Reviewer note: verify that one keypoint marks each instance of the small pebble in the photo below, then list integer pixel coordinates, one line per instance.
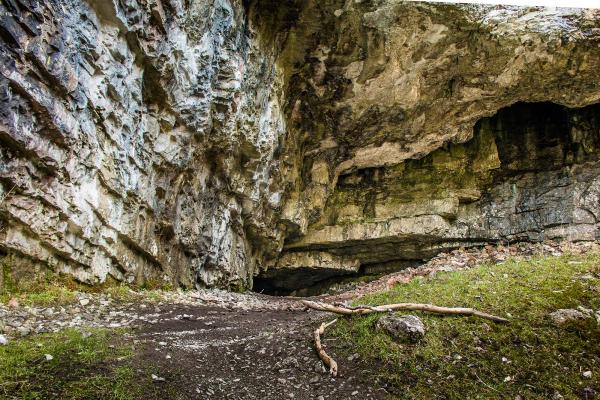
(587, 374)
(157, 378)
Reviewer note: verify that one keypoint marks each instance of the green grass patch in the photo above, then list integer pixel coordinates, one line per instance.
(44, 288)
(471, 358)
(81, 367)
(48, 288)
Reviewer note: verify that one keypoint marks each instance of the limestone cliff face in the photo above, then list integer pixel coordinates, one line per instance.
(425, 127)
(201, 141)
(138, 139)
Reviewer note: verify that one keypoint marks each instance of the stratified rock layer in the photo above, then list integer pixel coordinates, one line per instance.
(138, 139)
(531, 172)
(202, 142)
(441, 126)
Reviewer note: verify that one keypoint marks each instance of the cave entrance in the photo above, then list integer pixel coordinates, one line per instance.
(272, 285)
(530, 173)
(534, 137)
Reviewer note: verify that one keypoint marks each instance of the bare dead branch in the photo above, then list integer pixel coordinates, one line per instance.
(327, 360)
(402, 306)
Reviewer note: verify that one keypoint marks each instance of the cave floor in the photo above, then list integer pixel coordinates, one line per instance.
(230, 354)
(199, 345)
(185, 351)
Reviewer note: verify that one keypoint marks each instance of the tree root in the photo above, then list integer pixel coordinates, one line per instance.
(327, 360)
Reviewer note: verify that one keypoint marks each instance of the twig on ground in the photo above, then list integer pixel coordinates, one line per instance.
(485, 384)
(327, 360)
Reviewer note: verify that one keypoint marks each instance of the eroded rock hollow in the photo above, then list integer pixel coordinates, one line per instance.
(205, 142)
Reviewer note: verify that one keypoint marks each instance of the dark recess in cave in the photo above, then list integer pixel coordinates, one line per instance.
(533, 137)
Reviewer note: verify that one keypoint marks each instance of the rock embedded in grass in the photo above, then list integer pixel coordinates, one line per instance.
(565, 315)
(535, 288)
(406, 328)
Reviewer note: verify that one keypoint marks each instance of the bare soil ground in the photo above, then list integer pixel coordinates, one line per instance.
(216, 353)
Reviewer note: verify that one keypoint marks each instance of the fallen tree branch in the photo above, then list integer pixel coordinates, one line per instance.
(327, 360)
(401, 306)
(355, 308)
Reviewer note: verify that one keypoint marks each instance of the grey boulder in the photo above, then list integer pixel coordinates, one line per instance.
(562, 316)
(406, 328)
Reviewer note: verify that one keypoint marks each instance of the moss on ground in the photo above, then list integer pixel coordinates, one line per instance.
(57, 290)
(82, 367)
(55, 293)
(44, 288)
(462, 358)
(50, 289)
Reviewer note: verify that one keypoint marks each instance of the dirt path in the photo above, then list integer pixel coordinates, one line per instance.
(209, 344)
(205, 352)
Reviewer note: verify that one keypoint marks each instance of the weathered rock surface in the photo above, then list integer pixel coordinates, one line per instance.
(563, 316)
(138, 140)
(202, 142)
(522, 177)
(445, 126)
(407, 328)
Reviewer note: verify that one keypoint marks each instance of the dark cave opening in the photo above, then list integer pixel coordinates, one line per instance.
(543, 136)
(332, 284)
(270, 287)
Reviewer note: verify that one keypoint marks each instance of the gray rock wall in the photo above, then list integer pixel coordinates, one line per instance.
(137, 139)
